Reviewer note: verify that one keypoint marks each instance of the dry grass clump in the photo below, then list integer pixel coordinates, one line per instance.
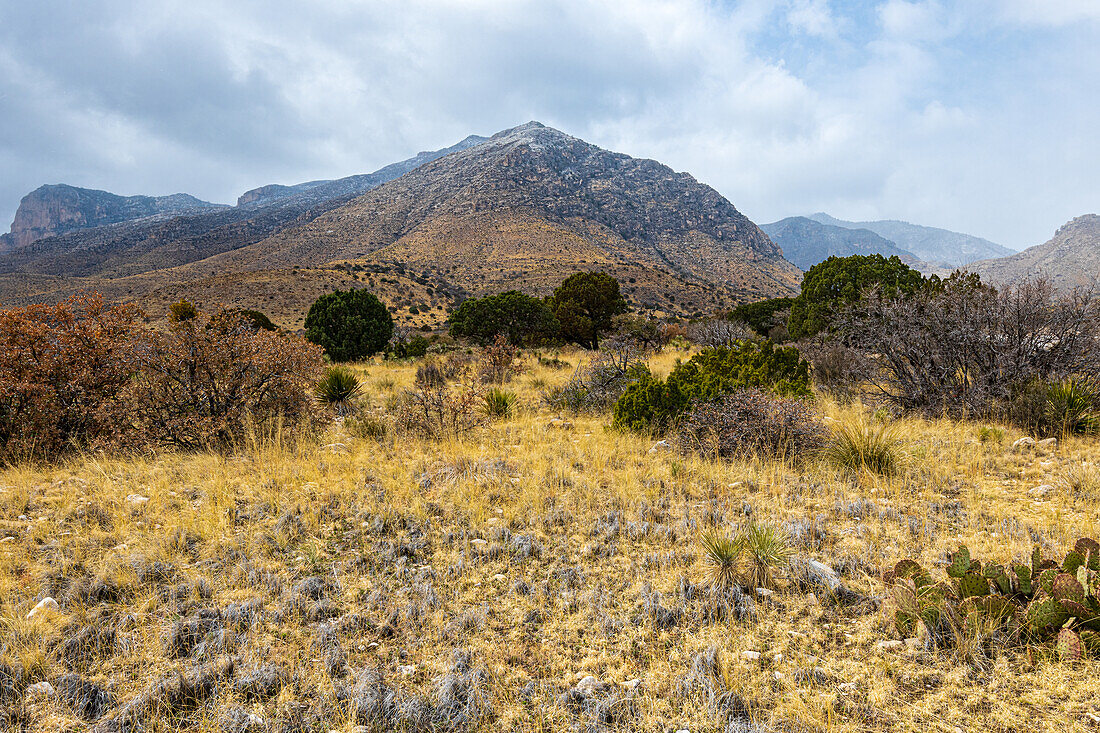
(859, 444)
(528, 573)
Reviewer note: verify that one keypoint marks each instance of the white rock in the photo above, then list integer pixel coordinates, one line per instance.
(846, 687)
(136, 500)
(1024, 442)
(46, 604)
(751, 656)
(777, 676)
(1048, 442)
(888, 644)
(407, 670)
(588, 685)
(43, 689)
(778, 658)
(9, 538)
(336, 448)
(1040, 491)
(499, 578)
(660, 445)
(764, 592)
(631, 684)
(824, 574)
(479, 541)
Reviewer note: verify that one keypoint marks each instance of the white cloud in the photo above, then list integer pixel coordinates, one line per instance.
(786, 106)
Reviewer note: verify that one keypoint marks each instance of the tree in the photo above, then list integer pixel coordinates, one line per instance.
(584, 305)
(763, 315)
(829, 286)
(258, 320)
(524, 320)
(350, 325)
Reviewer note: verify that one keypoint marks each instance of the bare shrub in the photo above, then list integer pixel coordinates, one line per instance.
(720, 332)
(598, 384)
(434, 412)
(498, 361)
(963, 348)
(752, 421)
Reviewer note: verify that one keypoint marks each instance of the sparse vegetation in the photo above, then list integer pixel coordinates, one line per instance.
(338, 388)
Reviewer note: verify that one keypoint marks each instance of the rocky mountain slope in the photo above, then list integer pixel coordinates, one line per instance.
(939, 247)
(806, 242)
(145, 245)
(523, 209)
(56, 209)
(1071, 258)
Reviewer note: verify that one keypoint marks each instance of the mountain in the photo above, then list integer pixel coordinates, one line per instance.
(523, 209)
(936, 246)
(145, 245)
(1071, 258)
(56, 209)
(532, 205)
(806, 242)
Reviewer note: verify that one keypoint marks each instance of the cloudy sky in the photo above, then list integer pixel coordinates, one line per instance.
(977, 115)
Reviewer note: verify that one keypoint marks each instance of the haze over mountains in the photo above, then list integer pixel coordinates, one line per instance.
(1071, 258)
(521, 209)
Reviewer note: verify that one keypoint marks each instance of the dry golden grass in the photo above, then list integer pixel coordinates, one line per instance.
(383, 519)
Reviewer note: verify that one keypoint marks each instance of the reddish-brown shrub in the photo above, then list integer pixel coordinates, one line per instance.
(63, 369)
(80, 373)
(498, 361)
(751, 421)
(203, 380)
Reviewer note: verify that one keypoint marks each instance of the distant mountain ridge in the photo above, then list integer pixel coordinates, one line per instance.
(56, 209)
(806, 242)
(1070, 259)
(522, 209)
(135, 246)
(935, 246)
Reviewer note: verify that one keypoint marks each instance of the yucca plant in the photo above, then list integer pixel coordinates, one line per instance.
(861, 445)
(722, 554)
(338, 388)
(768, 549)
(1073, 407)
(499, 402)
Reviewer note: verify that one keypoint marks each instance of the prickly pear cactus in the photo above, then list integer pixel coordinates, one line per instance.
(903, 595)
(1074, 560)
(1046, 580)
(1066, 587)
(1089, 548)
(1069, 644)
(999, 578)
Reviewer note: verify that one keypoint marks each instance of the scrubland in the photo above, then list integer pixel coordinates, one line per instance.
(536, 574)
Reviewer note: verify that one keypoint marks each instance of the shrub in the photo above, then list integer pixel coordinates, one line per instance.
(718, 332)
(647, 333)
(367, 427)
(602, 381)
(829, 286)
(498, 362)
(769, 549)
(584, 305)
(182, 310)
(405, 344)
(434, 412)
(752, 421)
(763, 316)
(655, 405)
(865, 445)
(349, 326)
(965, 349)
(499, 402)
(722, 554)
(203, 382)
(64, 370)
(338, 388)
(522, 319)
(430, 374)
(258, 320)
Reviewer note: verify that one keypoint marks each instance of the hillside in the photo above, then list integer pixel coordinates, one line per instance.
(939, 247)
(134, 247)
(51, 210)
(532, 205)
(806, 242)
(1071, 258)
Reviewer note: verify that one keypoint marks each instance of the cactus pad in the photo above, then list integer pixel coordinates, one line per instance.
(1043, 614)
(1069, 645)
(973, 584)
(1023, 580)
(1046, 580)
(1089, 548)
(960, 563)
(1066, 588)
(1074, 560)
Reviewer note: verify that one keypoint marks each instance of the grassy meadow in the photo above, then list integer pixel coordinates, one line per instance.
(487, 576)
